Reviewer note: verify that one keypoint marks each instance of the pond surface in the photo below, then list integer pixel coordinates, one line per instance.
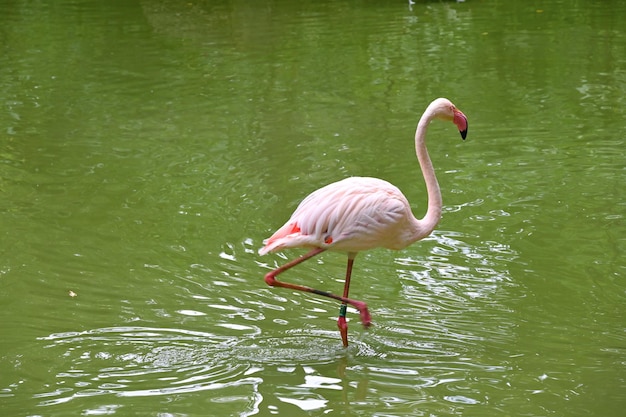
(148, 147)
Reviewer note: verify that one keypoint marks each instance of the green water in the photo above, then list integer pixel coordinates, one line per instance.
(147, 148)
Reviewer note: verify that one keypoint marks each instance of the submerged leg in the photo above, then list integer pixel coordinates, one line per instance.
(341, 321)
(270, 279)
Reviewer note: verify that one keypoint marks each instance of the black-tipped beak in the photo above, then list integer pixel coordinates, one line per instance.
(463, 133)
(461, 122)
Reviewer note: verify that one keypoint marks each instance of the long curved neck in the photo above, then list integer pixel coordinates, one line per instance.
(433, 214)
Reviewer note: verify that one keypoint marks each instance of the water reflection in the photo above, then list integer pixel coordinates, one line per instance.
(145, 362)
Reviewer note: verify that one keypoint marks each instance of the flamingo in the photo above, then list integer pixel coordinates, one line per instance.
(362, 213)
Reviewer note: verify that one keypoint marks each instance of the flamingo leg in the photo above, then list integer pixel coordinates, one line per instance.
(270, 279)
(341, 321)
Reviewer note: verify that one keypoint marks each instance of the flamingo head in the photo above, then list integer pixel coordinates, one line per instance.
(442, 108)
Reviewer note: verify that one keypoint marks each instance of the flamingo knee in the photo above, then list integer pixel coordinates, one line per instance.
(270, 279)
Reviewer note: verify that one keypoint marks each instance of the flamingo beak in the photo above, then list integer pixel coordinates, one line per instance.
(461, 122)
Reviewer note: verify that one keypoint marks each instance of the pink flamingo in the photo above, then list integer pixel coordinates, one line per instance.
(361, 213)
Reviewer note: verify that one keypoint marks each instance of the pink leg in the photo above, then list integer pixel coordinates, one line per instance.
(270, 279)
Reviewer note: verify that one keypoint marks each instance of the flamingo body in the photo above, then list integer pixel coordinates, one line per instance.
(351, 215)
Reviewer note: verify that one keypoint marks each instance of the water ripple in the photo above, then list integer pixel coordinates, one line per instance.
(144, 361)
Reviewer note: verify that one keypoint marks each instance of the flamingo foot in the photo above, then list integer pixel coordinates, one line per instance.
(366, 319)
